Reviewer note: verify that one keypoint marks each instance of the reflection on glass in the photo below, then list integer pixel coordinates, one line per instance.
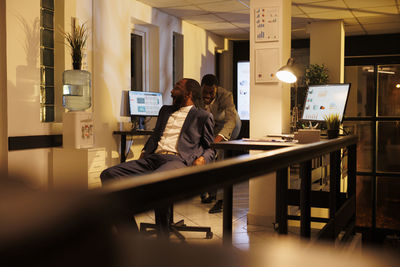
(389, 90)
(47, 113)
(47, 38)
(49, 4)
(47, 18)
(389, 146)
(364, 201)
(361, 97)
(365, 145)
(47, 57)
(388, 203)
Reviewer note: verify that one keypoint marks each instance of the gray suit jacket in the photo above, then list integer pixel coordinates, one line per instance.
(195, 138)
(224, 112)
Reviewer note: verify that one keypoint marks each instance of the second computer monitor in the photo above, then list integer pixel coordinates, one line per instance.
(323, 100)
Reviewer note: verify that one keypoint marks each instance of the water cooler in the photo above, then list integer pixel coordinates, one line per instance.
(78, 128)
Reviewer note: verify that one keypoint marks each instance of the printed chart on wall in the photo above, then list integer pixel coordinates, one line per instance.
(266, 23)
(243, 87)
(267, 63)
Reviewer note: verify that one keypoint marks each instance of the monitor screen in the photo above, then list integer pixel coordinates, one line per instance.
(323, 100)
(144, 103)
(243, 90)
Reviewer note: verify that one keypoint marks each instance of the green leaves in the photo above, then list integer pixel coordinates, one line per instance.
(332, 121)
(76, 40)
(316, 74)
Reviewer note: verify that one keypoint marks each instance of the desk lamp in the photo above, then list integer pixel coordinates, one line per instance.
(288, 74)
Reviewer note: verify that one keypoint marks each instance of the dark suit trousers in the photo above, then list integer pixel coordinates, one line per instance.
(149, 164)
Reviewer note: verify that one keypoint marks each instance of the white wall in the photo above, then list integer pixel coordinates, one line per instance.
(199, 51)
(108, 58)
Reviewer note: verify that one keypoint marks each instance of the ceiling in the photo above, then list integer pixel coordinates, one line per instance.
(231, 18)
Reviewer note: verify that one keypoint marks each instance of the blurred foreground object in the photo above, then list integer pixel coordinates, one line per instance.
(79, 229)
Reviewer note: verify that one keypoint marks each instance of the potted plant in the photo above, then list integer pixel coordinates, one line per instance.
(316, 74)
(332, 125)
(76, 41)
(77, 83)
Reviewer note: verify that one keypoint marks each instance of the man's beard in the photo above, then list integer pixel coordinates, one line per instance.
(178, 101)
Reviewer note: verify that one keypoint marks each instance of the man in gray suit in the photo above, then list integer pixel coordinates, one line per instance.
(182, 137)
(219, 102)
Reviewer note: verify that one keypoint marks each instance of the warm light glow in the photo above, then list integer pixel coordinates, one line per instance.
(398, 85)
(286, 76)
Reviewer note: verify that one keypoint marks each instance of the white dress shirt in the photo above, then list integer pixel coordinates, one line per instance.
(169, 139)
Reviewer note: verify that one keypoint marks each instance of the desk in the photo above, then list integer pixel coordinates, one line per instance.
(123, 135)
(250, 144)
(281, 181)
(341, 205)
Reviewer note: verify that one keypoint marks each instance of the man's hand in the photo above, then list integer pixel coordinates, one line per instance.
(218, 138)
(199, 161)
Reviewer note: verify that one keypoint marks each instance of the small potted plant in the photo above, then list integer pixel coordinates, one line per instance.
(332, 125)
(316, 74)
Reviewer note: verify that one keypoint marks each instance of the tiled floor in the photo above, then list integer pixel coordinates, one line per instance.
(195, 213)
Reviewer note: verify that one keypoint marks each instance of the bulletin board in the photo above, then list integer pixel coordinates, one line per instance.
(266, 21)
(267, 64)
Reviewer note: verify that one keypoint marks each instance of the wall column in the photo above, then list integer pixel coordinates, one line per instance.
(269, 99)
(327, 47)
(3, 91)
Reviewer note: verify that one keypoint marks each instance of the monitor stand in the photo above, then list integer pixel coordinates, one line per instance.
(138, 123)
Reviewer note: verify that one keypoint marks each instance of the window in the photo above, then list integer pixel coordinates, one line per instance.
(373, 114)
(137, 61)
(47, 61)
(177, 60)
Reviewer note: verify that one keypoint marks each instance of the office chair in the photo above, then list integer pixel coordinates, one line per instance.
(165, 225)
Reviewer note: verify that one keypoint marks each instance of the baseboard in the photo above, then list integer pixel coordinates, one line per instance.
(260, 220)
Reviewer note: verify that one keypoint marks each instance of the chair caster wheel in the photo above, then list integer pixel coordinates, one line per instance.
(209, 235)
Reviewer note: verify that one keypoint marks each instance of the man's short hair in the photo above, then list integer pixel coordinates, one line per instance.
(194, 87)
(209, 80)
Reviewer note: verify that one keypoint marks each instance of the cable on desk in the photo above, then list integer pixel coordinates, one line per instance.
(128, 147)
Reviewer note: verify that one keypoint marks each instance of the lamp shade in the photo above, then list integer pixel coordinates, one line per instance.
(286, 73)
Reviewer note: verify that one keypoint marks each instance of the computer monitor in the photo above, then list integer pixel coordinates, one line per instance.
(144, 104)
(243, 89)
(323, 100)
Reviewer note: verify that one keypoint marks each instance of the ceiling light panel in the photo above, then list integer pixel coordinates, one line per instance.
(368, 3)
(332, 15)
(233, 16)
(379, 19)
(203, 19)
(165, 3)
(243, 24)
(376, 11)
(219, 26)
(224, 6)
(319, 7)
(184, 11)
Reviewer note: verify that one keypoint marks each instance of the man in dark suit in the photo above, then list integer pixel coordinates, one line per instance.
(182, 137)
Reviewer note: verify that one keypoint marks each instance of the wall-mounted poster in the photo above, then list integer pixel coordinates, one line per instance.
(266, 24)
(267, 64)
